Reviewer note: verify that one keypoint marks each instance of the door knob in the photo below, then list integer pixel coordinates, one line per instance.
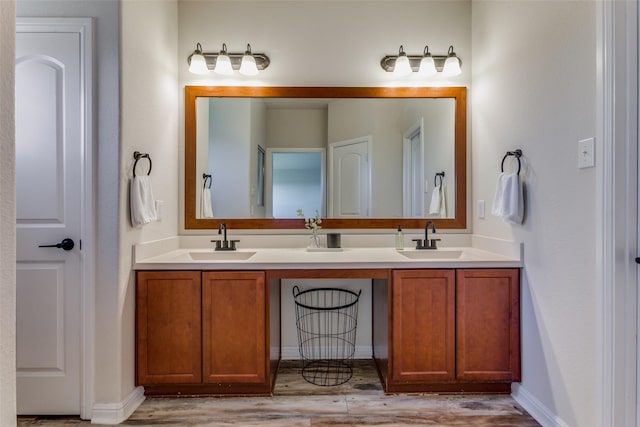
(637, 260)
(66, 244)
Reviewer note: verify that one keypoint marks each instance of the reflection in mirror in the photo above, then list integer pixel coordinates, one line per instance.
(365, 161)
(409, 140)
(295, 181)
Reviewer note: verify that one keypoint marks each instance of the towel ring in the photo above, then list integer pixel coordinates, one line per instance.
(206, 178)
(138, 155)
(517, 154)
(435, 178)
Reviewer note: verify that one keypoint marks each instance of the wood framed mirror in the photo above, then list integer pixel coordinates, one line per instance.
(456, 176)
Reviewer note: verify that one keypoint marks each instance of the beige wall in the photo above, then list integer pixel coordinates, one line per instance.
(534, 88)
(7, 216)
(149, 125)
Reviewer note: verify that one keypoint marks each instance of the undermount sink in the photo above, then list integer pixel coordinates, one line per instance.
(221, 256)
(432, 253)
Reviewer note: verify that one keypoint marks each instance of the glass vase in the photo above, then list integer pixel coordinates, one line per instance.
(314, 241)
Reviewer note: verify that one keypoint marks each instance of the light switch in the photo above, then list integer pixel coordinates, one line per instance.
(481, 209)
(159, 209)
(586, 156)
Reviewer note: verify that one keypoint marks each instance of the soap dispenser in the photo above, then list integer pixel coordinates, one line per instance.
(399, 239)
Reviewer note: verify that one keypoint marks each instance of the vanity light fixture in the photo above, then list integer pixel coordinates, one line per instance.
(225, 63)
(197, 63)
(425, 64)
(248, 65)
(451, 64)
(402, 66)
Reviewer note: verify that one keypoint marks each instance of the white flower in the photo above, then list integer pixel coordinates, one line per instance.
(312, 224)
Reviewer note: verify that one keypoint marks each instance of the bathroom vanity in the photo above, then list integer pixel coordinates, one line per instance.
(209, 323)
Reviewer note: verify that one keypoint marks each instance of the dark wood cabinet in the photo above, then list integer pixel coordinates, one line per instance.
(234, 328)
(168, 327)
(433, 330)
(453, 331)
(203, 333)
(488, 325)
(423, 326)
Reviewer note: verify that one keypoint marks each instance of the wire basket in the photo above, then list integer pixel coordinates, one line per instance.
(326, 319)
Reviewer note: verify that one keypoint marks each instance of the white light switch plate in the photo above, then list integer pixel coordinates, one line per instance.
(481, 208)
(586, 156)
(159, 210)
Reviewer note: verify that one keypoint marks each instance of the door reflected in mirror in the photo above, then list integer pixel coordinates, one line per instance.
(363, 157)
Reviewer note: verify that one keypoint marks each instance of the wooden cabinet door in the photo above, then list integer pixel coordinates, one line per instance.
(168, 327)
(234, 329)
(423, 343)
(488, 324)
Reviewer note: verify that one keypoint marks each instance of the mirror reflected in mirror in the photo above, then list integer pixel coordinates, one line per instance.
(362, 157)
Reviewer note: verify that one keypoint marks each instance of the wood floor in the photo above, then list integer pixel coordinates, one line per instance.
(359, 402)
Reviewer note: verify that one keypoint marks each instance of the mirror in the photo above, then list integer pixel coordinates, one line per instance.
(410, 134)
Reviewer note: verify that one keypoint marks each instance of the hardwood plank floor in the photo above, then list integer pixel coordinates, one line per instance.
(359, 402)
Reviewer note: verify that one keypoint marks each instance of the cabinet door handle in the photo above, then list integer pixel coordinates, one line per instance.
(66, 244)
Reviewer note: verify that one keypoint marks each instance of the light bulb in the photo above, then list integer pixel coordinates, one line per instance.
(451, 64)
(223, 62)
(403, 66)
(197, 62)
(427, 64)
(248, 65)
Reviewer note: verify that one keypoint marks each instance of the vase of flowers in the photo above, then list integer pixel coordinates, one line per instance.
(312, 224)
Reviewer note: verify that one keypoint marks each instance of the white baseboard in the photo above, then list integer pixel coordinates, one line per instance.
(293, 353)
(115, 413)
(535, 408)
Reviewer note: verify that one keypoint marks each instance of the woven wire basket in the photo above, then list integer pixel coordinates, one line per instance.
(326, 320)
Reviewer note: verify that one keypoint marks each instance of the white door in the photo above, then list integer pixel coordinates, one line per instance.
(49, 161)
(413, 182)
(350, 184)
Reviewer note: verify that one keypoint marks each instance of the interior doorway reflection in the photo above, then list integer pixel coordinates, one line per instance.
(295, 180)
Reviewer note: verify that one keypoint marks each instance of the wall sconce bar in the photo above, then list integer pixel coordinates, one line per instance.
(262, 61)
(388, 63)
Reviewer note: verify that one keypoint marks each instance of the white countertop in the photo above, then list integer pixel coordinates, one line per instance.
(301, 258)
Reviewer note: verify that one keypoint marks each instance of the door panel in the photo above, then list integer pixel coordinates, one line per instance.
(488, 324)
(422, 327)
(49, 146)
(350, 179)
(45, 350)
(234, 343)
(168, 327)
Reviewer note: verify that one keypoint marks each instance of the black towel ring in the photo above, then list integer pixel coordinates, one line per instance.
(206, 178)
(435, 178)
(517, 154)
(138, 155)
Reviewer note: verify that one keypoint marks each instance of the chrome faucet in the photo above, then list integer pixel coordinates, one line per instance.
(224, 245)
(427, 244)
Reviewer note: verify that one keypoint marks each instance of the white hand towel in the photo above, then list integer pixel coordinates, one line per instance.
(206, 208)
(438, 204)
(508, 202)
(443, 202)
(141, 201)
(436, 200)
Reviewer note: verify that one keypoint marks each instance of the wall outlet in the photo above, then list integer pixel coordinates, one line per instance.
(586, 155)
